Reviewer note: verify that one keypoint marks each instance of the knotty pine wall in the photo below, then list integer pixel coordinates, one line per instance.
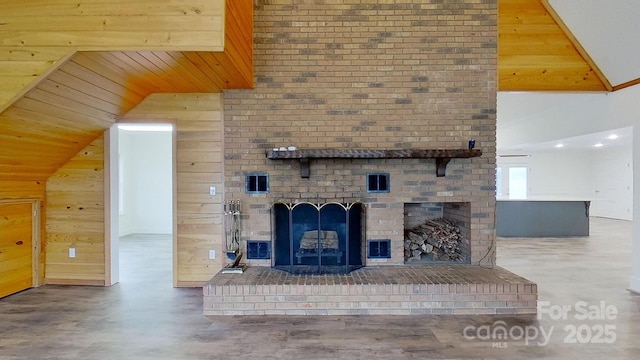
(75, 195)
(75, 218)
(35, 36)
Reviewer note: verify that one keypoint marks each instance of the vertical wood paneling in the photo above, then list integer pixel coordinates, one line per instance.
(75, 218)
(16, 252)
(199, 164)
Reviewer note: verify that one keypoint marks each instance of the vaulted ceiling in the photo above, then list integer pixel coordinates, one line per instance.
(80, 96)
(568, 45)
(536, 53)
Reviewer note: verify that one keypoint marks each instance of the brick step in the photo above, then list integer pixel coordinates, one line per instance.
(381, 290)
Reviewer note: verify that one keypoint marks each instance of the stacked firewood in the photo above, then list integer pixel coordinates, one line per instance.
(437, 240)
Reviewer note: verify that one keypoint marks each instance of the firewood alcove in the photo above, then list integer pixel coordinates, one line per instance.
(437, 233)
(442, 156)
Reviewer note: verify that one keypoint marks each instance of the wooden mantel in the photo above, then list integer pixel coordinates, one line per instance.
(442, 156)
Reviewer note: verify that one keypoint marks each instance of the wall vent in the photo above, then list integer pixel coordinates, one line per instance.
(257, 249)
(378, 182)
(379, 249)
(257, 183)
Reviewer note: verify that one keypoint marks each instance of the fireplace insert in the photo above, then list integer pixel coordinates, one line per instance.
(318, 238)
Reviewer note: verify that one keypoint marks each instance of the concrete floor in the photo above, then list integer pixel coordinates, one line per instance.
(143, 317)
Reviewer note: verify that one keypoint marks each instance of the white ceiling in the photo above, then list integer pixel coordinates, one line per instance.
(614, 138)
(609, 31)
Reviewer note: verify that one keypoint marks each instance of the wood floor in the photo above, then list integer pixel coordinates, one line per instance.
(143, 317)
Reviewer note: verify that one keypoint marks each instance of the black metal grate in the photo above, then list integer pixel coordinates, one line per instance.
(257, 249)
(257, 183)
(378, 183)
(379, 249)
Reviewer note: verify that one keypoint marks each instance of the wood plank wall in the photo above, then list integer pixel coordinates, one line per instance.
(36, 36)
(75, 218)
(75, 195)
(199, 164)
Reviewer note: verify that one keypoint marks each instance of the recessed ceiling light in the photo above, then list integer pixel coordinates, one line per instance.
(559, 145)
(146, 127)
(612, 137)
(598, 145)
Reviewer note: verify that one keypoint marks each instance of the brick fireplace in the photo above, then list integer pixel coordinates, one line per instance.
(337, 75)
(411, 74)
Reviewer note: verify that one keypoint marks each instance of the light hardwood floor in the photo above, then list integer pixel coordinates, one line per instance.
(143, 317)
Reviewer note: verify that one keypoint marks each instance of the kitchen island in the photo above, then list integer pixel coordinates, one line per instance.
(542, 217)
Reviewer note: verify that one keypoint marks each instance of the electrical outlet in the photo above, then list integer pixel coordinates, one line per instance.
(212, 254)
(72, 252)
(212, 190)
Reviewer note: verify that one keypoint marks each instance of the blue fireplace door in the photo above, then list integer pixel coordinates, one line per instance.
(291, 223)
(333, 219)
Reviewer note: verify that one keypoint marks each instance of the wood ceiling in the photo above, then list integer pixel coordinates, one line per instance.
(85, 93)
(75, 102)
(536, 51)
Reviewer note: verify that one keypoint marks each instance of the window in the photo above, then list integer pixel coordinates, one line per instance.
(378, 183)
(512, 182)
(379, 249)
(258, 249)
(499, 187)
(257, 183)
(517, 182)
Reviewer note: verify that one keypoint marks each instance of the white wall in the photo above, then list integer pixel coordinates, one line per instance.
(147, 189)
(556, 174)
(604, 176)
(126, 217)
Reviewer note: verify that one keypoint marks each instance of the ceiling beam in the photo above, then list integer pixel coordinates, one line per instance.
(554, 15)
(626, 84)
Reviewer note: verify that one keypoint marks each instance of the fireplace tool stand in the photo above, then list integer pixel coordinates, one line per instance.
(232, 237)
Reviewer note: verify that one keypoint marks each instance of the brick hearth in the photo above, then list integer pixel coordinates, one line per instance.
(388, 290)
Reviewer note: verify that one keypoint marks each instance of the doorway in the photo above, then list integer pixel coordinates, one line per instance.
(142, 203)
(512, 182)
(613, 196)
